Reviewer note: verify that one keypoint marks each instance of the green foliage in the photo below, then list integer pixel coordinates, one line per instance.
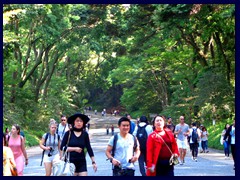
(169, 59)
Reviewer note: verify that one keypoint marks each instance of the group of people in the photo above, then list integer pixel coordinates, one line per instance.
(228, 140)
(69, 136)
(163, 141)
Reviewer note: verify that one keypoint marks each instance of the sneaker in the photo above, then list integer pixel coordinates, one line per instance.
(201, 151)
(207, 151)
(195, 159)
(181, 163)
(192, 158)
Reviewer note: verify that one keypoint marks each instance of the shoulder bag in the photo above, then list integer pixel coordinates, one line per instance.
(63, 167)
(173, 160)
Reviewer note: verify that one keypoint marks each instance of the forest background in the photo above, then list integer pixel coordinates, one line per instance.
(169, 59)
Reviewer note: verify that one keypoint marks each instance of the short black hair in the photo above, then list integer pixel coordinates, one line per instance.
(194, 124)
(63, 115)
(123, 119)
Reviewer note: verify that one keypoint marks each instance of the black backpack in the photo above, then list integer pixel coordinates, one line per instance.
(194, 135)
(142, 137)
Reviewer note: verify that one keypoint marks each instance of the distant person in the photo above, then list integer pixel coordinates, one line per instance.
(62, 127)
(230, 137)
(107, 129)
(123, 150)
(195, 135)
(17, 144)
(95, 112)
(161, 145)
(182, 131)
(170, 124)
(132, 124)
(112, 129)
(7, 133)
(142, 130)
(204, 137)
(225, 144)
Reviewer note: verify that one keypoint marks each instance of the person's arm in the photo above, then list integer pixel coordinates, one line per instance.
(24, 150)
(114, 161)
(150, 154)
(90, 151)
(136, 152)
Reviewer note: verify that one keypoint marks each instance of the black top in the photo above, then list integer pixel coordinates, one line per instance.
(82, 141)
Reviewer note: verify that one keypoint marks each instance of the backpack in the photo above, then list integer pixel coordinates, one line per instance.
(194, 135)
(115, 138)
(132, 127)
(142, 137)
(45, 145)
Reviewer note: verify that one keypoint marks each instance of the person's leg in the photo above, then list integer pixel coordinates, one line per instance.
(233, 153)
(203, 146)
(82, 173)
(191, 148)
(141, 164)
(195, 150)
(228, 149)
(180, 144)
(48, 168)
(206, 146)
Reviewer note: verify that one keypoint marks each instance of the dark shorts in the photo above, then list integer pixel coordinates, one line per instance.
(81, 166)
(164, 169)
(122, 172)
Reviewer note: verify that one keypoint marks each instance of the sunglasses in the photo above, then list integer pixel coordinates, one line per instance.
(63, 119)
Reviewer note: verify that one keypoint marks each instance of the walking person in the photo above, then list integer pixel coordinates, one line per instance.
(107, 129)
(112, 129)
(195, 135)
(78, 140)
(50, 143)
(132, 124)
(225, 144)
(170, 124)
(9, 165)
(182, 131)
(17, 144)
(230, 137)
(142, 131)
(161, 145)
(200, 140)
(62, 127)
(123, 150)
(204, 138)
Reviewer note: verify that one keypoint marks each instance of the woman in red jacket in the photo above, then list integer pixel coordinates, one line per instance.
(161, 144)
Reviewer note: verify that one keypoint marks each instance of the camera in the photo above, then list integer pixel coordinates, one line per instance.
(50, 152)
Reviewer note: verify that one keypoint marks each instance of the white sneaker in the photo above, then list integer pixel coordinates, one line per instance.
(195, 159)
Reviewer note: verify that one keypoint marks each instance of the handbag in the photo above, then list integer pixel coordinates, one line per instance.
(64, 167)
(173, 160)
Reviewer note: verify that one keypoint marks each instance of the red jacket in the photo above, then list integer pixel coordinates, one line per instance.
(154, 145)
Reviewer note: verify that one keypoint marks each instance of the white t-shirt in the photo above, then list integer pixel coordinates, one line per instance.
(62, 129)
(124, 150)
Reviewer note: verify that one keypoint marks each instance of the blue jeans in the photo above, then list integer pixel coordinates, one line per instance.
(141, 162)
(226, 148)
(205, 145)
